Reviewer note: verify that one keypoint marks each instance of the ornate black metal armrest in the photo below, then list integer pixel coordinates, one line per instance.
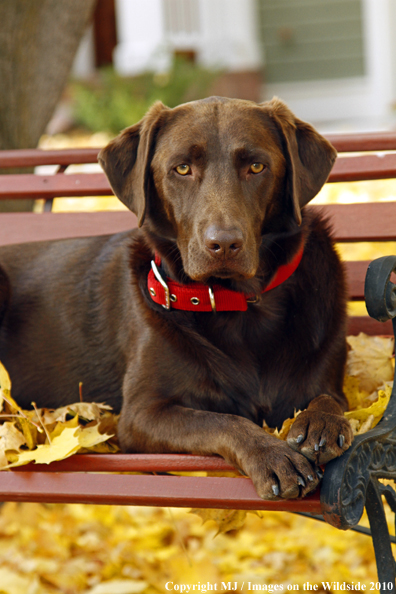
(351, 482)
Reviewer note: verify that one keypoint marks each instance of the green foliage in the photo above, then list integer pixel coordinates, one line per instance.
(111, 102)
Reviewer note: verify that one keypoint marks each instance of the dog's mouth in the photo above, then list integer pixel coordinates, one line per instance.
(231, 274)
(223, 272)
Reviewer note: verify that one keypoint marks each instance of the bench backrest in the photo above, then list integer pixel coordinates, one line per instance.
(361, 157)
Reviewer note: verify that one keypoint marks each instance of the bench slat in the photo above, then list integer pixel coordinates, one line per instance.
(133, 463)
(124, 489)
(28, 185)
(356, 275)
(370, 221)
(371, 141)
(22, 227)
(35, 157)
(351, 222)
(365, 141)
(362, 167)
(357, 324)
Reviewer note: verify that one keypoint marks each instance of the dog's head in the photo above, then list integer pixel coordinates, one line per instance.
(213, 176)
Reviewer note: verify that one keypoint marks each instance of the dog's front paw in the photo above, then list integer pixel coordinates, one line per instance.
(320, 436)
(279, 473)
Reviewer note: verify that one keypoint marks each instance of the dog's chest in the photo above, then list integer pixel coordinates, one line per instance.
(236, 366)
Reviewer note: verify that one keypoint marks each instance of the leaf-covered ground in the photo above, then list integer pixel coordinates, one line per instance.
(114, 550)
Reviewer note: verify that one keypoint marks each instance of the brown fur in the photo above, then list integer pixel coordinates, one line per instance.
(79, 310)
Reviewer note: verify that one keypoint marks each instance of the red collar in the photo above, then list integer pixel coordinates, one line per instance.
(199, 297)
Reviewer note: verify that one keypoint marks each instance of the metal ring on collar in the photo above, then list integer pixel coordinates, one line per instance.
(163, 284)
(212, 299)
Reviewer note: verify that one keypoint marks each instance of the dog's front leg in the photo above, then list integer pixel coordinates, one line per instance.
(275, 469)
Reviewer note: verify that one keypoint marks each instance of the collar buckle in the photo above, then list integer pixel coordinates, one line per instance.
(163, 284)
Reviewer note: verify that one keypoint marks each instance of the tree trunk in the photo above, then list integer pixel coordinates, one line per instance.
(38, 42)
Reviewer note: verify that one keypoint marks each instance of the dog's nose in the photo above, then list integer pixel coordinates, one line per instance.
(223, 242)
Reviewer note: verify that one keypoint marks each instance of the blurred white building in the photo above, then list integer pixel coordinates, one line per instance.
(216, 33)
(332, 61)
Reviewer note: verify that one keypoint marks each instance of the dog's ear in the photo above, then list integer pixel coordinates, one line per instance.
(309, 155)
(126, 160)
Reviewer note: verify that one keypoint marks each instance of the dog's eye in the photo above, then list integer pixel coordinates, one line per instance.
(256, 167)
(183, 169)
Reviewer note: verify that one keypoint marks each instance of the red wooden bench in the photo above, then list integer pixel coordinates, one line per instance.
(349, 483)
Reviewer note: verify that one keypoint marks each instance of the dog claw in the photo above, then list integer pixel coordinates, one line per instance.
(300, 481)
(322, 442)
(316, 448)
(275, 490)
(310, 478)
(341, 440)
(300, 438)
(320, 474)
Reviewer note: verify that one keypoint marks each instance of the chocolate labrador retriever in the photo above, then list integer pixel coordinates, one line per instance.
(226, 308)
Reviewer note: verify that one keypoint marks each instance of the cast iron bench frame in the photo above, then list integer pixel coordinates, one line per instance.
(350, 483)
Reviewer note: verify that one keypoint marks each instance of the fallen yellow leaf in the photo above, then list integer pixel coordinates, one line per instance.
(10, 440)
(371, 360)
(366, 425)
(376, 410)
(226, 519)
(5, 389)
(355, 396)
(11, 437)
(62, 446)
(5, 382)
(89, 437)
(12, 582)
(60, 426)
(29, 431)
(89, 411)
